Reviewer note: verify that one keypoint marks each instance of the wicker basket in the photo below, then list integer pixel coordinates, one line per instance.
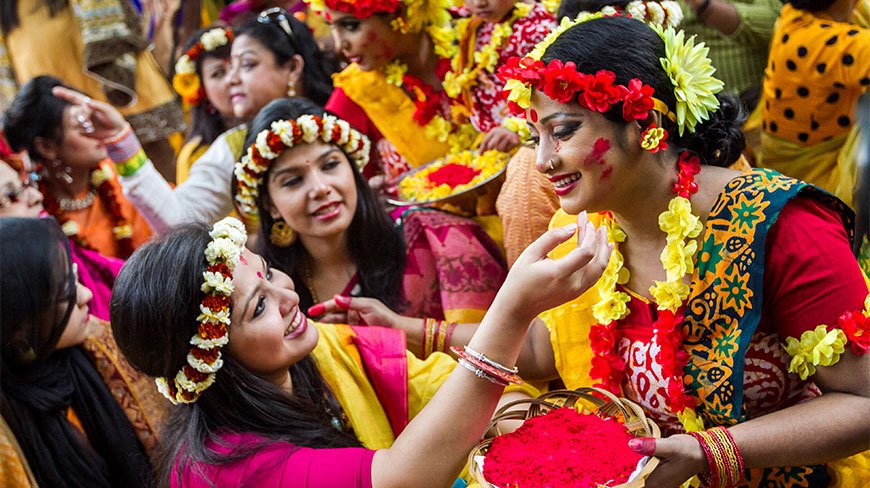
(585, 400)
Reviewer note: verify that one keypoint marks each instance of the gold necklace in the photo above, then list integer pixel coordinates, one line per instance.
(309, 282)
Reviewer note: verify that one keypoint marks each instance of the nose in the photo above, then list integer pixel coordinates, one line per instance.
(319, 187)
(546, 153)
(83, 294)
(233, 74)
(34, 197)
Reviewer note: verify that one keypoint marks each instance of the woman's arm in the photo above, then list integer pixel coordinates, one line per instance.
(205, 196)
(434, 445)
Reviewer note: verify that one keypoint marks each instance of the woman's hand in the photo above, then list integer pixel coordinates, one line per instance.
(500, 139)
(537, 283)
(362, 311)
(100, 120)
(680, 458)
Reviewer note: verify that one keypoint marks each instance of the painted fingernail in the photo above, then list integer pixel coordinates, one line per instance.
(643, 445)
(317, 310)
(342, 302)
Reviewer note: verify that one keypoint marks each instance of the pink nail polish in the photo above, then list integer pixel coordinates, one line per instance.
(317, 310)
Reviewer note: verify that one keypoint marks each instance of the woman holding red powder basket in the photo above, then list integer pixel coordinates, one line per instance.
(738, 317)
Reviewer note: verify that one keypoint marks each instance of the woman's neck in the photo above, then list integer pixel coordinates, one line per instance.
(420, 58)
(60, 188)
(841, 10)
(329, 255)
(649, 195)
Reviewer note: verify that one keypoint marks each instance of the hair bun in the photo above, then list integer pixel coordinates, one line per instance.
(719, 140)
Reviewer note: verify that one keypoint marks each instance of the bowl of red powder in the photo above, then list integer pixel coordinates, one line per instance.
(568, 439)
(450, 177)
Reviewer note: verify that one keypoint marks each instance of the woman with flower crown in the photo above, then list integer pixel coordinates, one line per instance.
(202, 80)
(267, 398)
(79, 187)
(321, 224)
(399, 51)
(738, 318)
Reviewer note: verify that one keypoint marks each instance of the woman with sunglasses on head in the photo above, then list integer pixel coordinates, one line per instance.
(77, 414)
(272, 56)
(266, 397)
(79, 187)
(202, 80)
(732, 309)
(321, 224)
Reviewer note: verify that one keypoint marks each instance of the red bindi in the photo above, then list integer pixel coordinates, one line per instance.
(259, 274)
(533, 115)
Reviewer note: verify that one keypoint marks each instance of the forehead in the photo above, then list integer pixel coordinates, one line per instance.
(7, 174)
(303, 154)
(245, 273)
(247, 44)
(544, 106)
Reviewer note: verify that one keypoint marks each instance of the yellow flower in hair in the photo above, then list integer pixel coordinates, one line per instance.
(520, 93)
(691, 72)
(186, 85)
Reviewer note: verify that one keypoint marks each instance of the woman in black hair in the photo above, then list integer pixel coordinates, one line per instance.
(732, 308)
(80, 414)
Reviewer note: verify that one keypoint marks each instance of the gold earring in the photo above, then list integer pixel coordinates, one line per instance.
(281, 234)
(291, 89)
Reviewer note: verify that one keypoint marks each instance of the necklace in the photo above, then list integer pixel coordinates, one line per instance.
(309, 282)
(75, 204)
(681, 227)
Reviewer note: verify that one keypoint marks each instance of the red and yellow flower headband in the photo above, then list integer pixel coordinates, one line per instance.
(284, 134)
(686, 64)
(204, 358)
(186, 82)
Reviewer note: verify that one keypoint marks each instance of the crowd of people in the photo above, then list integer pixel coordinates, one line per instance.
(683, 222)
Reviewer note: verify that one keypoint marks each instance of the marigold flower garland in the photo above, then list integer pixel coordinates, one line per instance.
(284, 134)
(99, 182)
(185, 81)
(681, 227)
(460, 77)
(204, 358)
(667, 13)
(451, 175)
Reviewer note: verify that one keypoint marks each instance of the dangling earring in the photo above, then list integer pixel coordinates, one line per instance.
(291, 89)
(209, 108)
(281, 234)
(62, 172)
(654, 139)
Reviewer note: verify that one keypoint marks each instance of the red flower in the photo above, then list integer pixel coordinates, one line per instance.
(638, 101)
(208, 330)
(526, 70)
(689, 165)
(603, 338)
(208, 356)
(216, 303)
(220, 268)
(857, 328)
(362, 9)
(274, 142)
(600, 94)
(561, 82)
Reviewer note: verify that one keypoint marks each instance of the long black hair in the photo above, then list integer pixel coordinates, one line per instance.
(35, 112)
(205, 122)
(9, 12)
(319, 66)
(37, 292)
(155, 303)
(375, 244)
(599, 44)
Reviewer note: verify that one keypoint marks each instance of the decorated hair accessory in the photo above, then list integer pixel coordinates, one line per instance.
(686, 64)
(666, 13)
(204, 359)
(285, 134)
(654, 139)
(186, 82)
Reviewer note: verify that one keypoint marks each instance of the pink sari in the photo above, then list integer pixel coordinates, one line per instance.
(453, 269)
(97, 273)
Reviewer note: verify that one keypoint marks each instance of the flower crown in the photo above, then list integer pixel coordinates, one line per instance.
(285, 134)
(204, 359)
(431, 15)
(687, 65)
(667, 12)
(186, 82)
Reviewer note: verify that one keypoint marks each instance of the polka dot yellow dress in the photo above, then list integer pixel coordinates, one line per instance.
(817, 70)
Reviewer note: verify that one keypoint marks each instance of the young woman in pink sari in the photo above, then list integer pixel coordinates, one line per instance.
(321, 224)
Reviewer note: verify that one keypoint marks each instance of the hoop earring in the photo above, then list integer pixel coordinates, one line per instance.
(281, 234)
(654, 139)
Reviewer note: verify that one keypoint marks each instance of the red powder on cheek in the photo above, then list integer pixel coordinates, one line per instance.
(327, 16)
(533, 115)
(606, 173)
(243, 260)
(557, 146)
(599, 149)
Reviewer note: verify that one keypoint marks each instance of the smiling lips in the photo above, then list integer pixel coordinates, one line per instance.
(328, 211)
(297, 326)
(564, 183)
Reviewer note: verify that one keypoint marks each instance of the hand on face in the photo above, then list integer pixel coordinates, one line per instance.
(537, 283)
(99, 120)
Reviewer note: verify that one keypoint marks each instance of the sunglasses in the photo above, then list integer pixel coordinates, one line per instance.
(279, 17)
(13, 196)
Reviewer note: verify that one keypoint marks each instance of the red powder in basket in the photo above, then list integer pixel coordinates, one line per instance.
(453, 175)
(561, 449)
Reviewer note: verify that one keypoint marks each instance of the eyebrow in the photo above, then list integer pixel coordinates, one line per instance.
(254, 291)
(558, 115)
(295, 169)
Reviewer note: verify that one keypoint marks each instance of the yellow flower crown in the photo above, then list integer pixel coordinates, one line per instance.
(284, 134)
(687, 65)
(185, 81)
(204, 358)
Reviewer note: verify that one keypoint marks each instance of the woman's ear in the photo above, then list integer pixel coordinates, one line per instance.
(272, 209)
(45, 148)
(296, 67)
(635, 129)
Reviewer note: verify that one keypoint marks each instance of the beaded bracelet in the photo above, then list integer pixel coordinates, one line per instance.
(480, 373)
(723, 457)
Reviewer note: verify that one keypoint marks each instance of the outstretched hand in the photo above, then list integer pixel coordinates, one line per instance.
(100, 120)
(356, 311)
(537, 283)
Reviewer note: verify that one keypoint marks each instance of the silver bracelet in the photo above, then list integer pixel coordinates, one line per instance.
(481, 373)
(483, 359)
